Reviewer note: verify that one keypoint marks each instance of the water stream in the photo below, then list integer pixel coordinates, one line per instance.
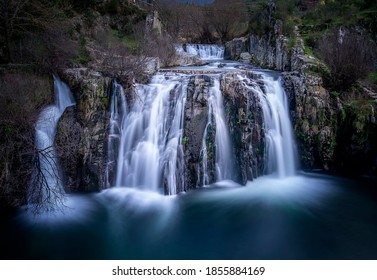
(150, 134)
(46, 187)
(205, 52)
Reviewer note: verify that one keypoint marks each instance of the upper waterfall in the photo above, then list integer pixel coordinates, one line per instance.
(206, 52)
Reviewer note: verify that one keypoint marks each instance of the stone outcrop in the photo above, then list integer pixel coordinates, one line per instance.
(153, 23)
(314, 116)
(234, 48)
(186, 59)
(196, 114)
(245, 120)
(331, 134)
(313, 111)
(85, 159)
(271, 50)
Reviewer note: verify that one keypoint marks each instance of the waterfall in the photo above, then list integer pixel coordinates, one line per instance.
(280, 154)
(145, 146)
(224, 156)
(118, 110)
(150, 147)
(46, 188)
(206, 52)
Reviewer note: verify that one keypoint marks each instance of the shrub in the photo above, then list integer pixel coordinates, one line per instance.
(348, 54)
(21, 98)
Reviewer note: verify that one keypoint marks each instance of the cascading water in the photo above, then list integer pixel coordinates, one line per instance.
(280, 156)
(118, 109)
(206, 52)
(46, 188)
(224, 158)
(151, 135)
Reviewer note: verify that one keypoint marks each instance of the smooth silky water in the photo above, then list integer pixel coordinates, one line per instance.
(284, 215)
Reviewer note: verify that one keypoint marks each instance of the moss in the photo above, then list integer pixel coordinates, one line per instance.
(303, 136)
(128, 40)
(342, 114)
(292, 42)
(82, 56)
(373, 77)
(334, 93)
(308, 51)
(184, 141)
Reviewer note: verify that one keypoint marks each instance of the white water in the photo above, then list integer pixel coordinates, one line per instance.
(151, 136)
(118, 109)
(280, 157)
(206, 52)
(46, 187)
(224, 157)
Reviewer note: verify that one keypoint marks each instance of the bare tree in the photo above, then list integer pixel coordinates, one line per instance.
(226, 16)
(349, 55)
(18, 17)
(21, 98)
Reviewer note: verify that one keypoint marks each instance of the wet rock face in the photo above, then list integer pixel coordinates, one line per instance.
(89, 125)
(245, 119)
(234, 48)
(314, 116)
(196, 114)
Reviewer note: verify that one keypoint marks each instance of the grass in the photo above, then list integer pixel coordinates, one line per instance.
(373, 77)
(127, 39)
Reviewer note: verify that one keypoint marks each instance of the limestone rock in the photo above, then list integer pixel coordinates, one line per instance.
(196, 114)
(90, 121)
(245, 120)
(245, 57)
(234, 48)
(186, 59)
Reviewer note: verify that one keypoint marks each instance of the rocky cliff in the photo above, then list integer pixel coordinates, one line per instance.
(196, 116)
(330, 134)
(245, 120)
(83, 130)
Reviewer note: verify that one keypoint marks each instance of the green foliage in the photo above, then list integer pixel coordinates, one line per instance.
(303, 136)
(330, 14)
(373, 77)
(82, 56)
(128, 40)
(259, 17)
(334, 93)
(308, 51)
(184, 141)
(292, 42)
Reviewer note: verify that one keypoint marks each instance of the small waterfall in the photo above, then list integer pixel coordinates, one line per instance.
(46, 188)
(224, 157)
(280, 156)
(118, 109)
(151, 136)
(206, 52)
